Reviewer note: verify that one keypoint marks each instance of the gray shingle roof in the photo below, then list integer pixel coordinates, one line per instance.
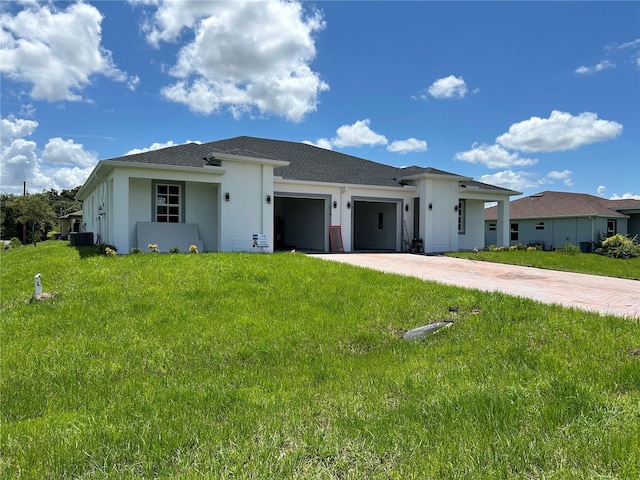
(549, 204)
(307, 162)
(187, 155)
(311, 163)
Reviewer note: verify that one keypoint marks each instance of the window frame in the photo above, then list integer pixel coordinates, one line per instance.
(180, 195)
(462, 216)
(513, 232)
(539, 226)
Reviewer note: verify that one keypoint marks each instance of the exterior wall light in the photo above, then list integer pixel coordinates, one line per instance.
(455, 209)
(335, 204)
(431, 206)
(406, 207)
(348, 204)
(227, 197)
(269, 199)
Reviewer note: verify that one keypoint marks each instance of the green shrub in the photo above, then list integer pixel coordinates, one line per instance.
(174, 250)
(620, 246)
(52, 234)
(135, 250)
(102, 248)
(15, 242)
(569, 249)
(600, 237)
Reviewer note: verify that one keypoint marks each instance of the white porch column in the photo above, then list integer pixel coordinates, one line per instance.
(267, 208)
(503, 224)
(118, 225)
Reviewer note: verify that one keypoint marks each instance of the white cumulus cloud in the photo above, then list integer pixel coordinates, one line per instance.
(66, 152)
(408, 145)
(522, 180)
(157, 146)
(62, 165)
(625, 196)
(19, 128)
(561, 131)
(244, 56)
(599, 67)
(56, 52)
(358, 134)
(518, 181)
(448, 87)
(564, 175)
(321, 142)
(494, 156)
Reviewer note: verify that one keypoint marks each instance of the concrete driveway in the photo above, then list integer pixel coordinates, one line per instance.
(604, 295)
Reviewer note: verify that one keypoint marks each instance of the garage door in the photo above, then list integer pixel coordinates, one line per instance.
(375, 225)
(301, 223)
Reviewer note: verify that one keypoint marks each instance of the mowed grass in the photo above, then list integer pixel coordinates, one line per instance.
(287, 366)
(590, 263)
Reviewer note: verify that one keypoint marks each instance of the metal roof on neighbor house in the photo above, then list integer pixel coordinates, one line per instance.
(72, 214)
(550, 204)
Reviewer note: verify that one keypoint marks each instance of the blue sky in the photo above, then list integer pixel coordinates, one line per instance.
(529, 96)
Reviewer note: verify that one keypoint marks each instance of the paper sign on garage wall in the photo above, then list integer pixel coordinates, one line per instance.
(260, 240)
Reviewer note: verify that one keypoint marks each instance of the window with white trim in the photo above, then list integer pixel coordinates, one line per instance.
(461, 215)
(611, 228)
(168, 203)
(514, 232)
(540, 226)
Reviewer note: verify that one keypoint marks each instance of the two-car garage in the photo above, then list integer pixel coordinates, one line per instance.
(302, 223)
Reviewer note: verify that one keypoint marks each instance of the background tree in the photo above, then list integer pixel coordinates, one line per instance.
(36, 213)
(14, 211)
(10, 226)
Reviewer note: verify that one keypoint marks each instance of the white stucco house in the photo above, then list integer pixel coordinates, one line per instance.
(254, 194)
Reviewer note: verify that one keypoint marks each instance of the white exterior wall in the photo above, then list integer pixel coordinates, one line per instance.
(202, 205)
(439, 226)
(473, 236)
(247, 212)
(95, 216)
(140, 207)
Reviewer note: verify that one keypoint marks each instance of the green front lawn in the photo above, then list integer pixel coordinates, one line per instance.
(590, 263)
(287, 366)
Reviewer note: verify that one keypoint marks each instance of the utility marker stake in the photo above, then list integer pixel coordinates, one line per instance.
(38, 285)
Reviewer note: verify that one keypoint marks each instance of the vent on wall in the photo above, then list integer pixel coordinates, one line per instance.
(212, 160)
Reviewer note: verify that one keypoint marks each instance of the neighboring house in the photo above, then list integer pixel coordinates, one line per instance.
(70, 223)
(555, 218)
(254, 194)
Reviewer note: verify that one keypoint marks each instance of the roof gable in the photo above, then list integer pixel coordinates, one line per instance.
(311, 163)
